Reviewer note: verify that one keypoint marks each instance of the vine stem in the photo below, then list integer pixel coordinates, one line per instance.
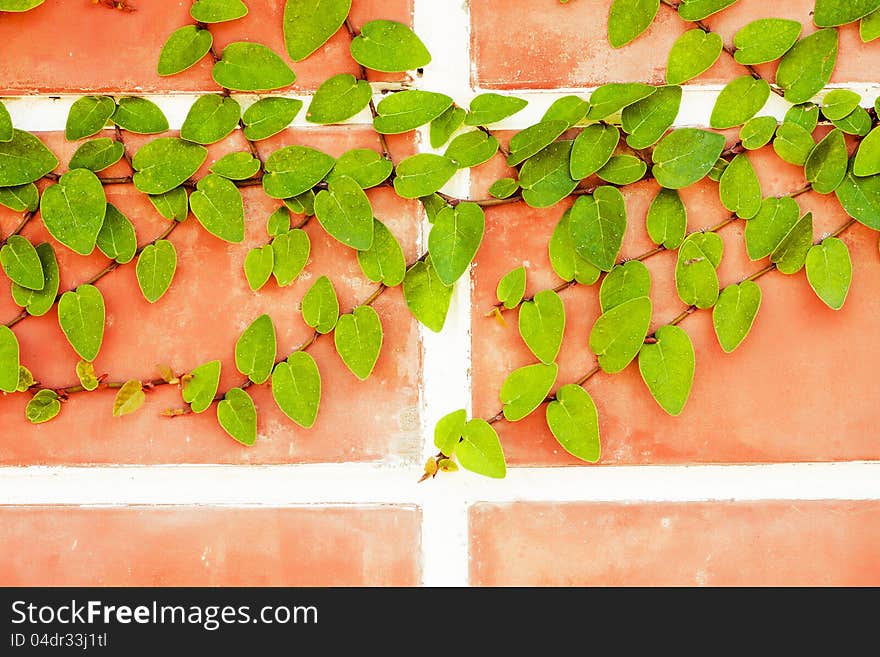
(678, 319)
(25, 219)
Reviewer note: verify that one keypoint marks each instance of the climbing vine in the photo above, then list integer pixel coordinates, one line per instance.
(585, 148)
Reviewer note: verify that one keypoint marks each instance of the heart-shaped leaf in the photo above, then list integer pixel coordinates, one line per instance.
(454, 240)
(829, 271)
(622, 170)
(628, 19)
(697, 10)
(358, 340)
(597, 225)
(258, 264)
(735, 312)
(183, 49)
(9, 360)
(618, 335)
(73, 210)
(427, 297)
(860, 198)
(165, 163)
(292, 170)
(765, 40)
(255, 350)
(22, 264)
(472, 149)
(24, 159)
(443, 126)
(626, 281)
(592, 148)
(85, 372)
(296, 388)
(648, 120)
(129, 398)
(291, 253)
(344, 211)
(825, 167)
(269, 116)
(791, 254)
(831, 13)
(308, 24)
(574, 422)
(81, 317)
(564, 259)
(867, 159)
(776, 217)
(320, 306)
(526, 388)
(173, 205)
(667, 368)
(200, 386)
(685, 155)
(211, 118)
(20, 198)
(218, 206)
(367, 167)
(511, 288)
(423, 174)
(806, 115)
(97, 154)
(542, 324)
(140, 116)
(569, 109)
(88, 116)
(384, 261)
(757, 132)
(806, 68)
(613, 97)
(389, 47)
(217, 11)
(793, 143)
(237, 415)
(739, 101)
(42, 407)
(407, 110)
(526, 143)
(155, 269)
(117, 239)
(480, 450)
(545, 178)
(338, 99)
(448, 431)
(246, 66)
(39, 302)
(489, 108)
(666, 220)
(740, 189)
(692, 54)
(236, 166)
(696, 278)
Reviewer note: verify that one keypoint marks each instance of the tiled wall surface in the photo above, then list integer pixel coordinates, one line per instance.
(338, 504)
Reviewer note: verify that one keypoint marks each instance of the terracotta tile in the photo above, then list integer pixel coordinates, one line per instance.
(793, 373)
(766, 543)
(199, 319)
(75, 46)
(528, 44)
(212, 546)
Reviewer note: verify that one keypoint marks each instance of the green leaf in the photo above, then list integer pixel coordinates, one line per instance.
(38, 303)
(218, 206)
(291, 251)
(489, 108)
(367, 167)
(793, 144)
(389, 47)
(542, 324)
(358, 339)
(85, 372)
(757, 132)
(667, 368)
(764, 233)
(869, 27)
(617, 335)
(24, 159)
(831, 13)
(25, 379)
(432, 204)
(155, 269)
(117, 239)
(857, 123)
(472, 149)
(308, 24)
(81, 317)
(648, 120)
(278, 222)
(695, 277)
(246, 66)
(200, 386)
(791, 254)
(692, 54)
(444, 125)
(9, 360)
(183, 49)
(129, 398)
(42, 407)
(545, 178)
(258, 265)
(255, 350)
(454, 239)
(697, 10)
(567, 264)
(526, 143)
(140, 116)
(829, 271)
(592, 149)
(501, 188)
(613, 97)
(526, 388)
(570, 109)
(269, 116)
(739, 101)
(867, 159)
(19, 5)
(511, 288)
(21, 263)
(173, 205)
(320, 307)
(826, 165)
(735, 313)
(423, 174)
(574, 422)
(296, 388)
(338, 99)
(629, 280)
(598, 223)
(480, 450)
(292, 170)
(667, 219)
(165, 163)
(765, 40)
(839, 103)
(427, 297)
(628, 19)
(384, 261)
(448, 431)
(211, 118)
(806, 68)
(88, 116)
(345, 213)
(97, 154)
(718, 169)
(806, 115)
(73, 210)
(236, 166)
(237, 415)
(860, 198)
(20, 198)
(740, 188)
(684, 156)
(6, 130)
(622, 170)
(217, 11)
(407, 110)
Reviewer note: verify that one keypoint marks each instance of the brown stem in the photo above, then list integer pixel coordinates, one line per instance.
(25, 219)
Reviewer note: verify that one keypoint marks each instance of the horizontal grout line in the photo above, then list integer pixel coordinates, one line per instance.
(373, 484)
(49, 111)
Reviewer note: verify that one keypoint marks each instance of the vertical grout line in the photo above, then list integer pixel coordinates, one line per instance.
(446, 355)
